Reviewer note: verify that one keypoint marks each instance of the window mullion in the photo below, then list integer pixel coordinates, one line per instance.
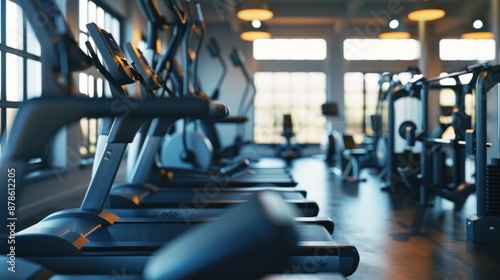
(3, 111)
(25, 61)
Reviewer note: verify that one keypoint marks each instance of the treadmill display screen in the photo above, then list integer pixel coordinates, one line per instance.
(112, 45)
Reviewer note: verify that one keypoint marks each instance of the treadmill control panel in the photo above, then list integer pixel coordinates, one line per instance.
(152, 79)
(112, 55)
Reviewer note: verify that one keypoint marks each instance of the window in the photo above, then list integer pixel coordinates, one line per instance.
(381, 49)
(300, 94)
(353, 101)
(20, 52)
(467, 49)
(447, 99)
(357, 84)
(289, 49)
(90, 84)
(447, 95)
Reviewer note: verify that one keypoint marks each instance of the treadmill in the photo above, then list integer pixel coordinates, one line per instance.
(140, 194)
(88, 240)
(313, 237)
(179, 201)
(99, 240)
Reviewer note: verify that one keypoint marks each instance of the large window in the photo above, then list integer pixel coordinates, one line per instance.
(381, 49)
(300, 94)
(92, 84)
(289, 49)
(467, 49)
(360, 90)
(19, 63)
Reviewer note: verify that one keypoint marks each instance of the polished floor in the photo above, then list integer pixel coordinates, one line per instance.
(396, 238)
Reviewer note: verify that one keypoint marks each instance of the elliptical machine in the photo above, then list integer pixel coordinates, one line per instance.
(191, 149)
(209, 127)
(186, 157)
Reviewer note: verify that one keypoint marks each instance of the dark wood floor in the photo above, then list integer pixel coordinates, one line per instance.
(396, 238)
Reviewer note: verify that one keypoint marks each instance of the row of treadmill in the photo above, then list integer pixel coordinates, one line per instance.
(233, 219)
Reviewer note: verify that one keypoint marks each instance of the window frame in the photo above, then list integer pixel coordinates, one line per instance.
(25, 55)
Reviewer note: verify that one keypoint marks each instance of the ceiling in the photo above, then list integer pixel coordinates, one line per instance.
(344, 15)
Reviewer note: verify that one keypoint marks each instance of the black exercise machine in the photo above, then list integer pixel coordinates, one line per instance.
(353, 156)
(201, 159)
(236, 167)
(142, 195)
(63, 234)
(43, 117)
(432, 176)
(290, 149)
(138, 193)
(309, 233)
(329, 145)
(399, 150)
(61, 237)
(483, 227)
(387, 83)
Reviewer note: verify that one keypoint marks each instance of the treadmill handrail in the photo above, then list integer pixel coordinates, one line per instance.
(40, 118)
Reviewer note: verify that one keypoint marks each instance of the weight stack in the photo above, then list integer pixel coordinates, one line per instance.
(484, 227)
(493, 188)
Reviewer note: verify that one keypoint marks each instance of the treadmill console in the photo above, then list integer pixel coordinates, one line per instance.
(152, 79)
(112, 55)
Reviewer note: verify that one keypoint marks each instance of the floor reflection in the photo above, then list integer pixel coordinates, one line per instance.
(397, 238)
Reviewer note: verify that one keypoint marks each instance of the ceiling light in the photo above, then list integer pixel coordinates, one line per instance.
(394, 30)
(394, 35)
(394, 23)
(256, 23)
(250, 10)
(477, 30)
(251, 33)
(477, 24)
(424, 10)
